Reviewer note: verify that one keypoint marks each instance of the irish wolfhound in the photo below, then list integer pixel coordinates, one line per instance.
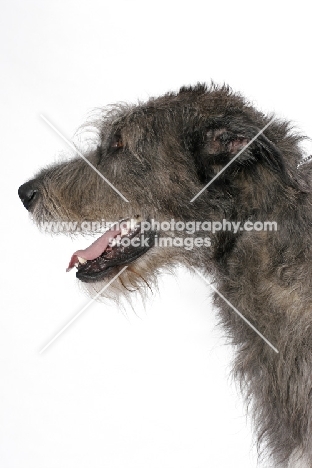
(157, 157)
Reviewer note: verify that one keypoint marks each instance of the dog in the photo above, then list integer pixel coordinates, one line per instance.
(167, 174)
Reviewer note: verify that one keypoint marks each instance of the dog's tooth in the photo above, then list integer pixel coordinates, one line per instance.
(124, 231)
(135, 222)
(82, 260)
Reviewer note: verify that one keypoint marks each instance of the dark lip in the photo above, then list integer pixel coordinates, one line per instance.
(112, 259)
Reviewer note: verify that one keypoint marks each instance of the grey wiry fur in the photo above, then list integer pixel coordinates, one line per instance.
(159, 155)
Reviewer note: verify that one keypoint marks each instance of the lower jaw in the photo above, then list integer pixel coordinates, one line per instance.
(104, 274)
(96, 277)
(113, 266)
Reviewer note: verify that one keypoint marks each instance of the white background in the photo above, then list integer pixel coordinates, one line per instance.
(144, 388)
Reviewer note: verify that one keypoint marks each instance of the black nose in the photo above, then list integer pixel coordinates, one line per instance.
(28, 194)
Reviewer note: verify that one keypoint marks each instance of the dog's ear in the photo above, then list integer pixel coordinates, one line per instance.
(231, 139)
(221, 141)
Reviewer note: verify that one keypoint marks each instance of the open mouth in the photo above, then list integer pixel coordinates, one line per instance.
(123, 243)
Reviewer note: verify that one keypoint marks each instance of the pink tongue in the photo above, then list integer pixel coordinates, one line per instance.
(94, 250)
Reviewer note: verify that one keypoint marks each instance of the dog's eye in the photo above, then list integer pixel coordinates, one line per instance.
(117, 142)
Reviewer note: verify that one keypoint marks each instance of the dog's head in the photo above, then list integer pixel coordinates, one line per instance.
(154, 161)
